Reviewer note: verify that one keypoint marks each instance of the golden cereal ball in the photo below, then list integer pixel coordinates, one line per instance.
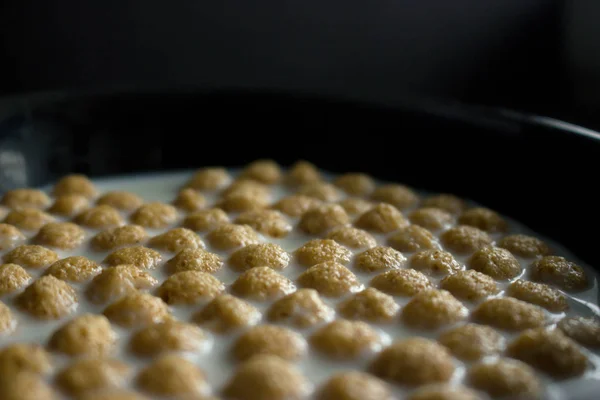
(296, 205)
(25, 198)
(379, 258)
(24, 357)
(270, 378)
(585, 331)
(397, 195)
(112, 394)
(495, 262)
(330, 279)
(370, 305)
(465, 239)
(167, 336)
(401, 282)
(137, 309)
(172, 375)
(550, 351)
(10, 236)
(322, 250)
(62, 235)
(28, 219)
(471, 342)
(505, 378)
(557, 271)
(414, 361)
(352, 237)
(194, 260)
(114, 282)
(264, 171)
(441, 391)
(435, 262)
(412, 238)
(509, 314)
(69, 205)
(320, 190)
(12, 278)
(268, 222)
(539, 294)
(270, 339)
(262, 283)
(484, 219)
(154, 215)
(355, 184)
(75, 184)
(303, 172)
(86, 375)
(231, 236)
(344, 340)
(87, 334)
(120, 236)
(227, 313)
(211, 178)
(25, 386)
(469, 285)
(190, 287)
(259, 255)
(247, 186)
(383, 218)
(48, 298)
(30, 256)
(432, 309)
(244, 199)
(74, 269)
(354, 385)
(430, 218)
(524, 246)
(120, 200)
(302, 309)
(99, 217)
(177, 239)
(189, 200)
(205, 220)
(355, 205)
(321, 218)
(7, 321)
(140, 256)
(446, 202)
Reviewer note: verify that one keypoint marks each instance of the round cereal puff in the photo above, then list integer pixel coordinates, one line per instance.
(7, 322)
(585, 331)
(303, 172)
(509, 314)
(470, 285)
(320, 190)
(557, 271)
(75, 184)
(330, 279)
(495, 262)
(62, 235)
(48, 298)
(264, 171)
(446, 202)
(140, 256)
(190, 287)
(272, 340)
(354, 385)
(120, 236)
(395, 194)
(189, 200)
(302, 309)
(355, 184)
(268, 222)
(322, 250)
(401, 282)
(69, 205)
(430, 218)
(484, 219)
(346, 340)
(247, 186)
(370, 305)
(383, 218)
(28, 219)
(227, 313)
(205, 220)
(259, 255)
(352, 237)
(539, 294)
(12, 278)
(355, 205)
(210, 178)
(154, 215)
(172, 375)
(25, 386)
(240, 200)
(177, 239)
(30, 256)
(435, 262)
(412, 238)
(25, 198)
(505, 378)
(120, 200)
(524, 246)
(231, 236)
(86, 375)
(10, 236)
(262, 283)
(194, 260)
(379, 258)
(85, 335)
(441, 391)
(137, 309)
(472, 342)
(99, 217)
(432, 309)
(19, 358)
(167, 336)
(296, 205)
(74, 269)
(465, 239)
(321, 218)
(114, 282)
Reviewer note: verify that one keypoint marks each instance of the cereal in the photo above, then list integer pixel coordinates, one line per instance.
(154, 215)
(379, 258)
(539, 294)
(524, 246)
(247, 186)
(303, 172)
(100, 217)
(123, 201)
(48, 298)
(244, 199)
(414, 361)
(259, 255)
(171, 375)
(302, 309)
(87, 334)
(271, 340)
(231, 236)
(7, 321)
(194, 260)
(189, 200)
(25, 386)
(74, 269)
(30, 256)
(113, 238)
(24, 357)
(114, 282)
(190, 287)
(352, 237)
(205, 220)
(495, 262)
(12, 278)
(435, 262)
(412, 238)
(370, 305)
(167, 336)
(69, 205)
(383, 218)
(137, 309)
(62, 235)
(10, 236)
(557, 271)
(112, 394)
(465, 239)
(509, 314)
(330, 279)
(432, 309)
(322, 250)
(354, 385)
(505, 378)
(211, 178)
(321, 218)
(469, 285)
(345, 340)
(446, 202)
(397, 195)
(585, 331)
(320, 190)
(25, 198)
(430, 218)
(471, 342)
(264, 171)
(227, 313)
(140, 256)
(87, 375)
(268, 222)
(401, 282)
(355, 205)
(355, 184)
(28, 219)
(177, 239)
(296, 205)
(262, 283)
(75, 184)
(484, 219)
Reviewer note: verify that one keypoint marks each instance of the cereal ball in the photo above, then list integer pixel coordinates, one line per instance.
(99, 217)
(379, 258)
(344, 340)
(259, 255)
(154, 215)
(370, 305)
(585, 331)
(524, 246)
(397, 195)
(509, 314)
(354, 385)
(559, 272)
(264, 171)
(25, 386)
(383, 218)
(549, 351)
(268, 222)
(401, 282)
(9, 236)
(91, 374)
(209, 179)
(189, 200)
(319, 219)
(412, 238)
(465, 239)
(140, 256)
(226, 313)
(303, 172)
(74, 269)
(262, 283)
(12, 278)
(172, 375)
(112, 394)
(321, 250)
(430, 218)
(484, 219)
(244, 199)
(75, 184)
(495, 262)
(87, 334)
(7, 322)
(205, 220)
(355, 205)
(48, 298)
(270, 339)
(539, 294)
(24, 357)
(296, 205)
(270, 378)
(446, 202)
(137, 309)
(471, 342)
(320, 190)
(414, 361)
(330, 279)
(505, 378)
(30, 256)
(440, 391)
(28, 219)
(355, 184)
(432, 309)
(190, 287)
(69, 205)
(167, 336)
(435, 262)
(62, 235)
(177, 239)
(303, 309)
(352, 237)
(123, 201)
(469, 285)
(231, 236)
(118, 237)
(25, 198)
(251, 187)
(194, 260)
